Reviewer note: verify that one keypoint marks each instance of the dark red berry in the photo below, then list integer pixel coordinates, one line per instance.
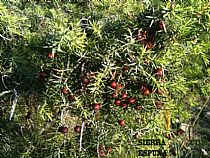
(102, 153)
(158, 104)
(124, 104)
(161, 25)
(42, 75)
(121, 122)
(138, 107)
(160, 92)
(146, 92)
(119, 86)
(159, 72)
(124, 95)
(77, 129)
(125, 68)
(96, 106)
(65, 90)
(131, 100)
(63, 129)
(117, 102)
(71, 97)
(143, 87)
(114, 95)
(114, 84)
(85, 81)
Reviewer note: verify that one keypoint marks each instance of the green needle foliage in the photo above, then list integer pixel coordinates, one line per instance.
(61, 57)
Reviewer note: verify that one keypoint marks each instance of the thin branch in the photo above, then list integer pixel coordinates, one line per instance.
(80, 140)
(5, 38)
(204, 105)
(5, 92)
(13, 105)
(2, 78)
(62, 70)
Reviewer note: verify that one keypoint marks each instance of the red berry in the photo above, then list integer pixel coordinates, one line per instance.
(146, 92)
(119, 86)
(161, 25)
(63, 129)
(85, 81)
(113, 84)
(158, 104)
(121, 122)
(124, 95)
(109, 150)
(42, 75)
(124, 104)
(117, 102)
(114, 95)
(143, 87)
(138, 107)
(131, 100)
(77, 129)
(71, 97)
(160, 92)
(96, 106)
(102, 153)
(65, 90)
(125, 68)
(51, 55)
(159, 72)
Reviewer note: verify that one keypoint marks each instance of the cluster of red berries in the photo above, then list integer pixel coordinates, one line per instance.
(64, 129)
(71, 97)
(65, 90)
(43, 74)
(146, 37)
(159, 72)
(102, 151)
(122, 99)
